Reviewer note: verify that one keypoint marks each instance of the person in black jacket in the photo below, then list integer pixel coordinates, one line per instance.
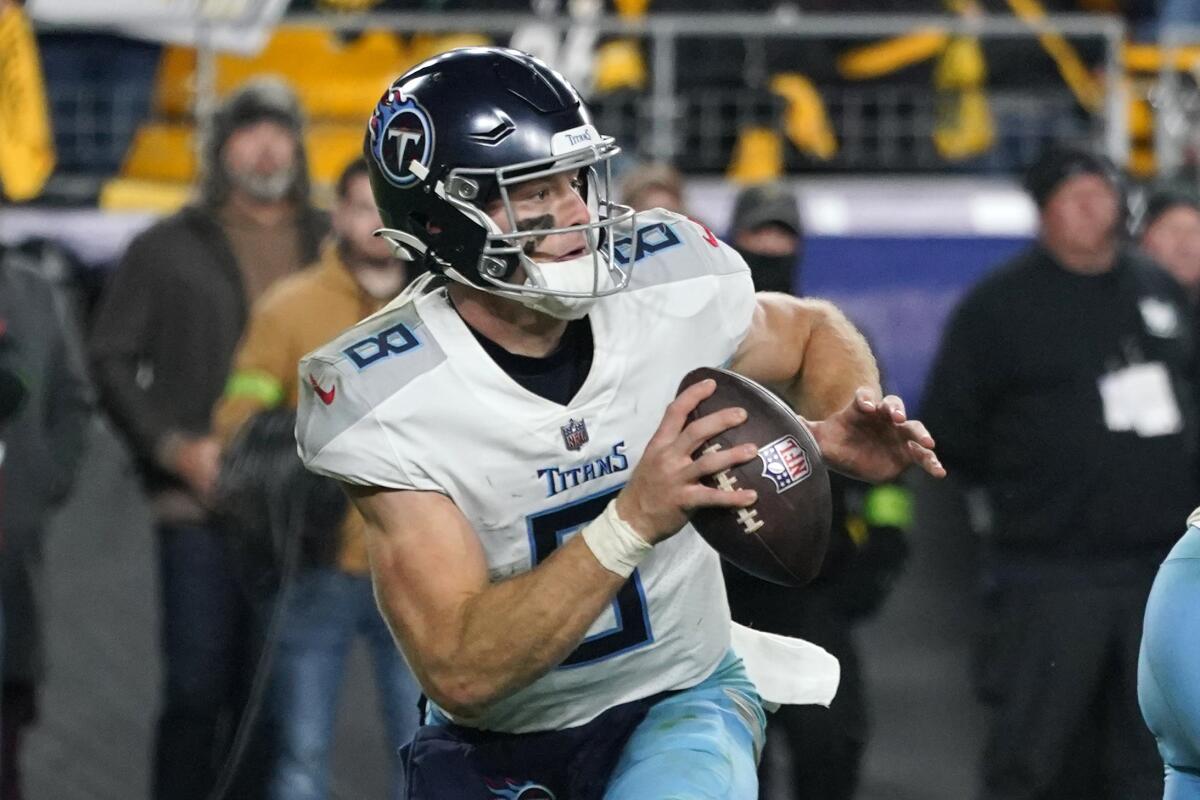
(1064, 388)
(161, 348)
(1169, 232)
(41, 443)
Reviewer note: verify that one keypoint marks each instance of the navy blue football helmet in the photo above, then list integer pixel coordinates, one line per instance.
(454, 134)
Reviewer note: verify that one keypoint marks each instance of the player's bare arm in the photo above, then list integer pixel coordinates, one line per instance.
(819, 361)
(471, 642)
(807, 350)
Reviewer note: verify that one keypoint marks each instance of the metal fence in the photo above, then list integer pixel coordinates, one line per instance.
(881, 126)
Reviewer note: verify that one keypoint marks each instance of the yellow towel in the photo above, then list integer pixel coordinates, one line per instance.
(26, 146)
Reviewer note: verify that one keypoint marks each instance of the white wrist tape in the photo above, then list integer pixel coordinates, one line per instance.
(616, 545)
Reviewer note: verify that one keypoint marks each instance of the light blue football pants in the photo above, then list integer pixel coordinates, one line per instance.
(1169, 667)
(700, 744)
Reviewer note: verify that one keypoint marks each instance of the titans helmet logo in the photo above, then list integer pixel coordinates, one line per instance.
(401, 134)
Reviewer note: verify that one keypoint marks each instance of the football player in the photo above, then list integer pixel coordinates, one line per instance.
(1169, 662)
(500, 427)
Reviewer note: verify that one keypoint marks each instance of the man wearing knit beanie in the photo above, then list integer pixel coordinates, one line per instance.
(1169, 232)
(269, 174)
(1079, 200)
(161, 348)
(1064, 389)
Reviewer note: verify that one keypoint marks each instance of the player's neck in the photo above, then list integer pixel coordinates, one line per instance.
(519, 330)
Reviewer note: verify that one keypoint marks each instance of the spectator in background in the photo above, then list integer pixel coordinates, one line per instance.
(42, 445)
(332, 601)
(164, 337)
(767, 231)
(867, 550)
(1169, 232)
(653, 185)
(1063, 388)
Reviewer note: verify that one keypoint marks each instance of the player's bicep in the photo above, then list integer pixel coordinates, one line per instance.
(772, 351)
(426, 563)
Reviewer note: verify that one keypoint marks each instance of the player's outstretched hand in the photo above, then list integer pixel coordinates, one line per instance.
(874, 440)
(665, 485)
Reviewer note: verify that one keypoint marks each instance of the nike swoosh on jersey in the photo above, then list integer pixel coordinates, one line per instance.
(325, 395)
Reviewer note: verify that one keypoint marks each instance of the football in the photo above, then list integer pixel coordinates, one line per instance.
(783, 536)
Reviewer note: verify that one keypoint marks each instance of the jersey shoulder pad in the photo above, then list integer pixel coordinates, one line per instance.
(665, 247)
(345, 381)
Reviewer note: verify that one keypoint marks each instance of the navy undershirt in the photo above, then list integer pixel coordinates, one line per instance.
(556, 377)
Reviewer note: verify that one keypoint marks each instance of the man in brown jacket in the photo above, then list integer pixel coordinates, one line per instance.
(161, 348)
(330, 603)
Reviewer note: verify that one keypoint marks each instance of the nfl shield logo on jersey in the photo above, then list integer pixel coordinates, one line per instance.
(575, 434)
(785, 463)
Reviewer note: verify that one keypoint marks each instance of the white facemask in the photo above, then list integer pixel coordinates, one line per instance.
(576, 275)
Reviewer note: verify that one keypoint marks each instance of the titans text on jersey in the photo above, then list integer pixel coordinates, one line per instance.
(559, 479)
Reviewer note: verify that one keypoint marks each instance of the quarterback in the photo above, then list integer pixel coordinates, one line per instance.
(501, 427)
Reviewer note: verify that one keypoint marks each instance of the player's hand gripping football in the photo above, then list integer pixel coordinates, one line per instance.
(665, 485)
(874, 440)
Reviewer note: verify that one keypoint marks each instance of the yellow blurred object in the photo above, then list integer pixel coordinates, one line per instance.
(332, 78)
(1087, 90)
(883, 58)
(805, 122)
(631, 9)
(348, 5)
(757, 156)
(619, 65)
(161, 152)
(26, 144)
(175, 83)
(331, 146)
(1141, 161)
(1152, 58)
(961, 65)
(1141, 118)
(129, 194)
(964, 127)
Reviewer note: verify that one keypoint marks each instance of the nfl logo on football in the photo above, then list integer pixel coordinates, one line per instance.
(575, 434)
(785, 463)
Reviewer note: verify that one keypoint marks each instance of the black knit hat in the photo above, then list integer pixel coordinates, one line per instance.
(1162, 200)
(263, 98)
(258, 99)
(1057, 163)
(767, 203)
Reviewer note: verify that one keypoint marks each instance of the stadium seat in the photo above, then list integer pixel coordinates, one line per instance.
(161, 151)
(174, 86)
(331, 146)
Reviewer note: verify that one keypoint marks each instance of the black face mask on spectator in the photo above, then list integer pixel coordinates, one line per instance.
(774, 273)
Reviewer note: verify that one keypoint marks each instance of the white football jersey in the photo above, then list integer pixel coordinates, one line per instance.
(408, 399)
